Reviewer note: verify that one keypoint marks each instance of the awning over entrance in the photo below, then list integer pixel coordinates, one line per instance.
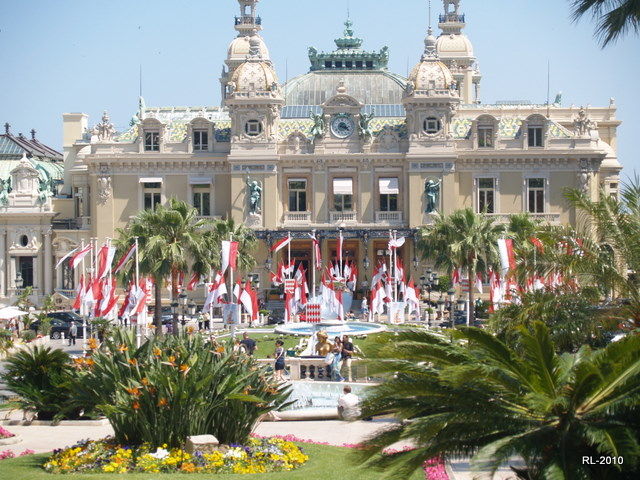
(388, 186)
(343, 186)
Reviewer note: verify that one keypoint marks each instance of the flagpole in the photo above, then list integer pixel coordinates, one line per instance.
(233, 323)
(206, 292)
(137, 282)
(313, 260)
(83, 293)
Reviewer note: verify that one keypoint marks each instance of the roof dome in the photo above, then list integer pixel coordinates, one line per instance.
(454, 46)
(431, 73)
(240, 48)
(254, 75)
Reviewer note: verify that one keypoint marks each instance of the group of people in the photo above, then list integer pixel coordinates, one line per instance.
(340, 356)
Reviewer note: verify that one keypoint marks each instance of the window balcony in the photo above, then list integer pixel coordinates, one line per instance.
(340, 217)
(297, 218)
(389, 218)
(553, 218)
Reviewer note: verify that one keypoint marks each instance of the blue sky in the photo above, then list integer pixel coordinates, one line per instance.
(72, 55)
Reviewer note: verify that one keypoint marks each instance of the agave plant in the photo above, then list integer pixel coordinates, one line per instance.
(175, 386)
(481, 398)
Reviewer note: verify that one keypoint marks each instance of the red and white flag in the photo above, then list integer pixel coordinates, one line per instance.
(125, 258)
(66, 256)
(378, 299)
(507, 257)
(247, 300)
(195, 279)
(379, 274)
(77, 257)
(479, 283)
(396, 242)
(80, 289)
(216, 291)
(412, 297)
(105, 259)
(229, 255)
(280, 244)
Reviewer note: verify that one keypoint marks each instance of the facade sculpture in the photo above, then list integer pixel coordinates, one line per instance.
(318, 128)
(255, 196)
(583, 125)
(105, 130)
(432, 194)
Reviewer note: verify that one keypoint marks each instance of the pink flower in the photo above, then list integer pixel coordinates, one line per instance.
(7, 454)
(5, 433)
(27, 452)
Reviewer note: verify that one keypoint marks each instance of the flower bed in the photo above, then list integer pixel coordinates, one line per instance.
(5, 433)
(258, 456)
(9, 454)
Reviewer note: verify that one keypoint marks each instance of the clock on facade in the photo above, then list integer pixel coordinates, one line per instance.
(342, 126)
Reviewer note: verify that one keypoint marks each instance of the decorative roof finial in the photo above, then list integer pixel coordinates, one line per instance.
(33, 134)
(7, 128)
(430, 50)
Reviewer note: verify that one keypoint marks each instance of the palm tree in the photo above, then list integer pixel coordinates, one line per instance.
(230, 230)
(464, 239)
(171, 240)
(614, 17)
(610, 249)
(481, 398)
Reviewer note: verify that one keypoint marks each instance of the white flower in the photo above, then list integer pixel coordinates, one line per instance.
(234, 453)
(160, 454)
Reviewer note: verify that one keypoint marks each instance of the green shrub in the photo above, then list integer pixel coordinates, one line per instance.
(174, 386)
(45, 326)
(6, 339)
(41, 377)
(28, 335)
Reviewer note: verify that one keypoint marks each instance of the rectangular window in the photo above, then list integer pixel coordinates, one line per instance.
(25, 267)
(486, 195)
(343, 194)
(535, 194)
(200, 141)
(388, 202)
(202, 200)
(297, 195)
(535, 136)
(152, 141)
(152, 195)
(485, 137)
(389, 192)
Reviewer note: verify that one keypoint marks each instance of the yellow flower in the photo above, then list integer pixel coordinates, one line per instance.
(92, 343)
(123, 348)
(157, 352)
(163, 402)
(145, 381)
(135, 405)
(133, 391)
(133, 361)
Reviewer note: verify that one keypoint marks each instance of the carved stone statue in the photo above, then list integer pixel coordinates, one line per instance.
(583, 125)
(323, 345)
(104, 189)
(364, 124)
(584, 180)
(105, 130)
(318, 128)
(5, 188)
(409, 87)
(558, 100)
(432, 194)
(254, 190)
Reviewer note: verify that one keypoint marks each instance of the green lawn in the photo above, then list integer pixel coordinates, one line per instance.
(325, 463)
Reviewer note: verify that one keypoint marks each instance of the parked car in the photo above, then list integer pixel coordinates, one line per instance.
(60, 324)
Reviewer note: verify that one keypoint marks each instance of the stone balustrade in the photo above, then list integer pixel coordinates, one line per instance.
(314, 368)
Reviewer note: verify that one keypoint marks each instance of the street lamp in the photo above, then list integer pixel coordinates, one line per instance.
(182, 300)
(268, 263)
(416, 263)
(192, 308)
(366, 264)
(429, 281)
(19, 281)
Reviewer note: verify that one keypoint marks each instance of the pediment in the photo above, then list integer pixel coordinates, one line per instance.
(342, 100)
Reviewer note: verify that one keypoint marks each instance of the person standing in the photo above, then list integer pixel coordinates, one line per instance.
(348, 405)
(73, 333)
(249, 343)
(279, 356)
(347, 353)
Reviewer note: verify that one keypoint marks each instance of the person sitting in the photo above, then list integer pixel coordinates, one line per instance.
(348, 405)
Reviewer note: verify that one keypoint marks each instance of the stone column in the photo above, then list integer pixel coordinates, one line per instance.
(48, 270)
